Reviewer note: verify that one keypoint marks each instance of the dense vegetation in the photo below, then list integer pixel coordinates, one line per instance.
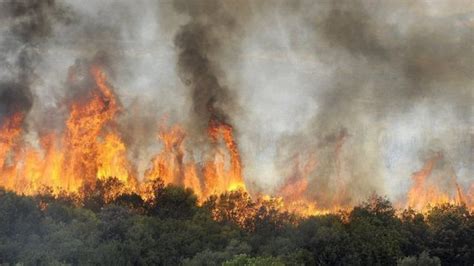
(231, 229)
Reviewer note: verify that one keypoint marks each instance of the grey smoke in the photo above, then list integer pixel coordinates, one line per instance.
(26, 25)
(383, 70)
(14, 98)
(290, 76)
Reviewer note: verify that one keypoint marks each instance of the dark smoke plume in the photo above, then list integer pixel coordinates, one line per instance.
(198, 42)
(348, 25)
(14, 98)
(28, 24)
(346, 73)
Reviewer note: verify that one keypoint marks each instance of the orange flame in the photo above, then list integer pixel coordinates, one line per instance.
(168, 164)
(90, 149)
(295, 191)
(214, 177)
(81, 155)
(90, 157)
(218, 177)
(9, 133)
(430, 188)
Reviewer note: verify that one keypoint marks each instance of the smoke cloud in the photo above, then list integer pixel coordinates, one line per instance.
(347, 95)
(27, 24)
(196, 43)
(385, 67)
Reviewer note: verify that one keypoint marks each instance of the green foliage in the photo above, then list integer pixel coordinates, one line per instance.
(375, 232)
(103, 228)
(101, 193)
(245, 260)
(415, 231)
(130, 201)
(452, 232)
(209, 257)
(174, 202)
(327, 239)
(423, 260)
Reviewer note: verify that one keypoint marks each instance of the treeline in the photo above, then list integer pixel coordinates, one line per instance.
(171, 228)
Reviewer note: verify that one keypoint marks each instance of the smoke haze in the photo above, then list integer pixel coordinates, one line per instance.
(366, 91)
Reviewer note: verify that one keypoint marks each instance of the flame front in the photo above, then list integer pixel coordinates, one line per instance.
(90, 148)
(434, 184)
(221, 172)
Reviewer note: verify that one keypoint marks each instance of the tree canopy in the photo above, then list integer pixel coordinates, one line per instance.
(172, 228)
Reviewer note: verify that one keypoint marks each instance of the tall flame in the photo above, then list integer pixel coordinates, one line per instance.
(215, 177)
(298, 187)
(9, 133)
(432, 187)
(90, 148)
(219, 177)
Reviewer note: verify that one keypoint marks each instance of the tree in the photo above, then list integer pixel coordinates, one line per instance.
(19, 218)
(132, 201)
(174, 202)
(95, 196)
(114, 222)
(238, 208)
(234, 207)
(423, 260)
(452, 232)
(415, 231)
(217, 257)
(376, 232)
(327, 239)
(243, 259)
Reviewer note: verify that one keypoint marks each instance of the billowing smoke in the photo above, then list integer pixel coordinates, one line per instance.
(388, 62)
(14, 98)
(342, 97)
(26, 26)
(198, 42)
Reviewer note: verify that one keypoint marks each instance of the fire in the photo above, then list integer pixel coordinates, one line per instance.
(219, 173)
(9, 133)
(92, 155)
(168, 164)
(89, 150)
(296, 190)
(434, 184)
(470, 197)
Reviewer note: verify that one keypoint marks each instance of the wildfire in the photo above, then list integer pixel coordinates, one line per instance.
(296, 190)
(89, 156)
(90, 149)
(168, 164)
(219, 177)
(434, 184)
(9, 133)
(221, 172)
